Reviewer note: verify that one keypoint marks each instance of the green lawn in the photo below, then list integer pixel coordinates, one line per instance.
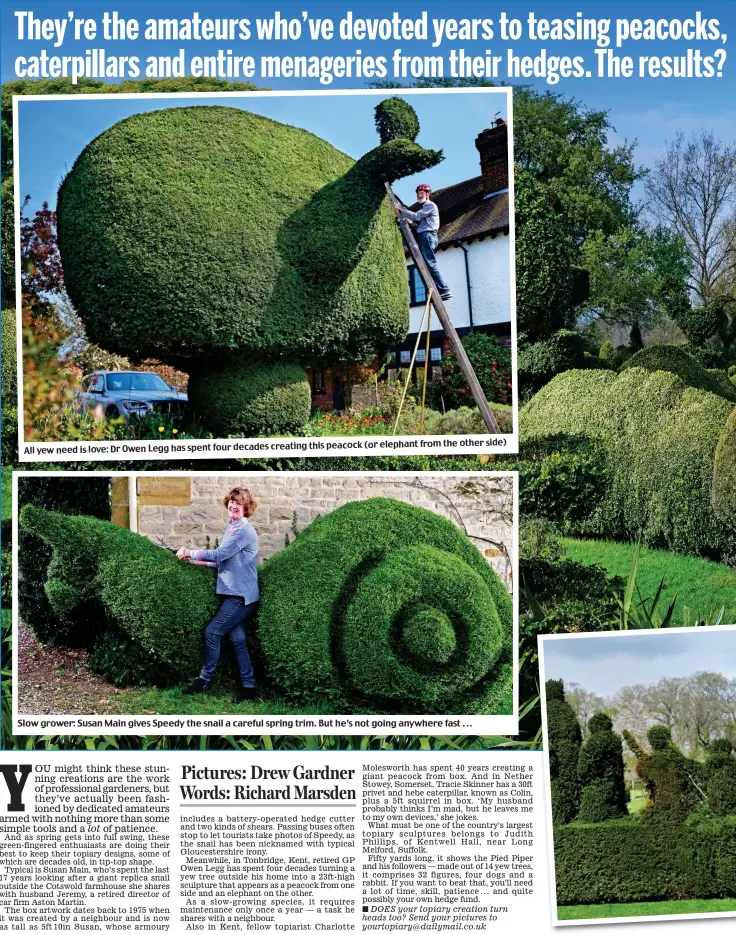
(702, 586)
(638, 802)
(667, 908)
(151, 700)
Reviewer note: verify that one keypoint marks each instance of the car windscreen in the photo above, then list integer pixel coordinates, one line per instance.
(122, 382)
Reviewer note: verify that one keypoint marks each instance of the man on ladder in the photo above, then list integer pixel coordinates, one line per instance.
(427, 220)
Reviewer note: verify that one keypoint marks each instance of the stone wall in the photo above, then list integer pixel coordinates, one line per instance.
(480, 505)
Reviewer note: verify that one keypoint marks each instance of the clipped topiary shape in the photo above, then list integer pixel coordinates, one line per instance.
(677, 360)
(206, 230)
(658, 437)
(162, 603)
(601, 772)
(389, 606)
(666, 772)
(395, 119)
(564, 737)
(724, 475)
(270, 399)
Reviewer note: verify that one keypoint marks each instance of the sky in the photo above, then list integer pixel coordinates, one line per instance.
(449, 121)
(604, 664)
(650, 111)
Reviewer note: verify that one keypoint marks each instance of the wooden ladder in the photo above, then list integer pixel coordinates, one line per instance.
(445, 320)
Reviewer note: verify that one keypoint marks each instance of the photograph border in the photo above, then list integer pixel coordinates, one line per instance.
(607, 634)
(150, 725)
(43, 451)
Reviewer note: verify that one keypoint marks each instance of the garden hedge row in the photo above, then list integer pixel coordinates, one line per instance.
(634, 860)
(191, 230)
(391, 605)
(659, 439)
(724, 478)
(677, 360)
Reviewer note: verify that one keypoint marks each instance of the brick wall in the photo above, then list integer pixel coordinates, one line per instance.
(481, 506)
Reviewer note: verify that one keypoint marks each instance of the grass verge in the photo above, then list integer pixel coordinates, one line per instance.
(701, 587)
(665, 908)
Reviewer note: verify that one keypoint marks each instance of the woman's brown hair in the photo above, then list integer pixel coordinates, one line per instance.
(244, 497)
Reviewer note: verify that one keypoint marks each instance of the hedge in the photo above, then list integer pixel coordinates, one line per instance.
(724, 476)
(564, 738)
(161, 603)
(636, 860)
(266, 399)
(389, 606)
(192, 230)
(9, 359)
(674, 359)
(659, 441)
(73, 495)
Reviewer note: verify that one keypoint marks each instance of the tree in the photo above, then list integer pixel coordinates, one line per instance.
(637, 277)
(692, 189)
(584, 703)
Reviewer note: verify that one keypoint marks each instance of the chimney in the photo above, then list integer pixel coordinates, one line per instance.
(493, 146)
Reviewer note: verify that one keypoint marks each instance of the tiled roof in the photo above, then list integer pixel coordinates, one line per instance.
(465, 213)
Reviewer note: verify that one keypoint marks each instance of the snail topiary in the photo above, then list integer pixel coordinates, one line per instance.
(204, 235)
(391, 606)
(162, 603)
(378, 605)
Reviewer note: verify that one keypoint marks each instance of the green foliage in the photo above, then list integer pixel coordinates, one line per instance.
(161, 603)
(702, 323)
(601, 772)
(544, 260)
(260, 399)
(9, 426)
(607, 352)
(637, 277)
(221, 230)
(674, 359)
(564, 738)
(666, 772)
(659, 439)
(539, 363)
(492, 365)
(563, 485)
(7, 236)
(366, 602)
(724, 476)
(9, 359)
(395, 119)
(71, 495)
(653, 858)
(123, 661)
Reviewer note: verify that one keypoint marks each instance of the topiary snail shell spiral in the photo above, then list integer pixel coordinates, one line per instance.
(389, 605)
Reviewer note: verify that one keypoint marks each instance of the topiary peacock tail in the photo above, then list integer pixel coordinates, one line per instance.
(160, 602)
(388, 606)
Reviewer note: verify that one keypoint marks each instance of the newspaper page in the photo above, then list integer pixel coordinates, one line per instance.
(368, 467)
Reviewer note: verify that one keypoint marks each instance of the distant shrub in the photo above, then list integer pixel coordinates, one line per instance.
(702, 323)
(607, 352)
(674, 359)
(394, 605)
(565, 350)
(266, 399)
(468, 421)
(564, 737)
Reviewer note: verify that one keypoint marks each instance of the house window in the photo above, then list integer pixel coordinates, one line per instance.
(417, 292)
(318, 381)
(435, 353)
(405, 357)
(391, 357)
(421, 357)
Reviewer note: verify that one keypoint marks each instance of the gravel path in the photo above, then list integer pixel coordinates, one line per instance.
(55, 680)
